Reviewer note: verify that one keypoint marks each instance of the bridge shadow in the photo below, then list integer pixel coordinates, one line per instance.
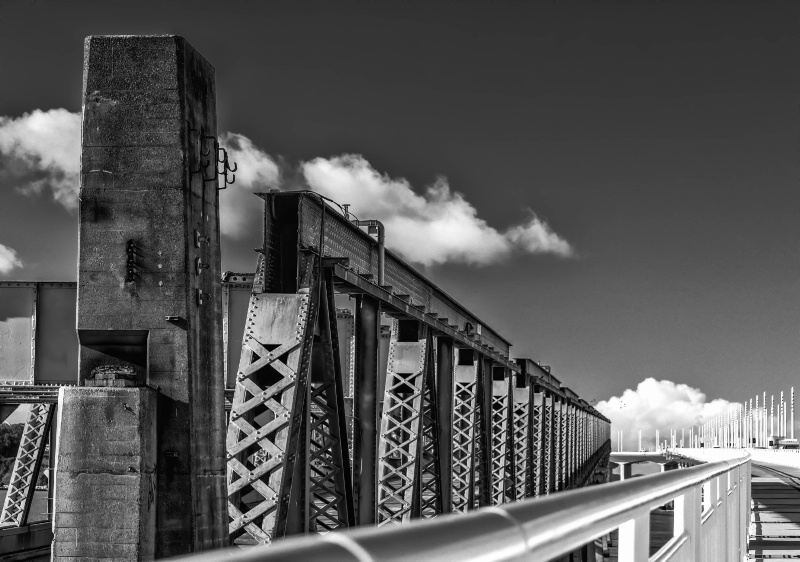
(775, 522)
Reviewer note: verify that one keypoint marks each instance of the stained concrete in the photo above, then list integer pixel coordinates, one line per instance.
(105, 474)
(149, 112)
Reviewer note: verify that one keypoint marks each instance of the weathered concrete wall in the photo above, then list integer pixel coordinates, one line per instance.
(149, 101)
(105, 474)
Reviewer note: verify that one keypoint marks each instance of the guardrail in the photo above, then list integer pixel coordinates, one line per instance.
(711, 517)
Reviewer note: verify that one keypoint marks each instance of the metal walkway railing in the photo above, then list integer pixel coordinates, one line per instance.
(712, 510)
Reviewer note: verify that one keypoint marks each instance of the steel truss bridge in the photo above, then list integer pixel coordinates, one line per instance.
(334, 396)
(389, 401)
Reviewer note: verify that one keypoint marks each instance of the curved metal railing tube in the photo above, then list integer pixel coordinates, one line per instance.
(550, 527)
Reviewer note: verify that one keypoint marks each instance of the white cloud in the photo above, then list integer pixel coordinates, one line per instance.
(662, 405)
(43, 149)
(535, 236)
(8, 260)
(240, 210)
(435, 227)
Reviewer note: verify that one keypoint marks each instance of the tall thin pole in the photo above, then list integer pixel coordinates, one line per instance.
(782, 418)
(758, 423)
(772, 415)
(791, 420)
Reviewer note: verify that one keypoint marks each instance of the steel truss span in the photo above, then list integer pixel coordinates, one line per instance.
(329, 430)
(408, 406)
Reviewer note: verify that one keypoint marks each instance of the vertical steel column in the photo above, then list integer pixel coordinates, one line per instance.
(330, 498)
(287, 443)
(571, 444)
(483, 442)
(583, 434)
(445, 380)
(427, 500)
(521, 437)
(465, 396)
(498, 429)
(558, 410)
(551, 447)
(567, 428)
(365, 409)
(401, 422)
(539, 443)
(27, 465)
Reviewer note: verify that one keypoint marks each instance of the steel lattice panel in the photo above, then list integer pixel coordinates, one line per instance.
(465, 402)
(26, 466)
(499, 437)
(521, 425)
(430, 494)
(400, 430)
(537, 452)
(550, 449)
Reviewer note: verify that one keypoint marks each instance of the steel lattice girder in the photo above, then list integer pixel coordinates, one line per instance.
(288, 467)
(402, 421)
(521, 442)
(303, 485)
(465, 396)
(27, 466)
(296, 221)
(538, 436)
(499, 435)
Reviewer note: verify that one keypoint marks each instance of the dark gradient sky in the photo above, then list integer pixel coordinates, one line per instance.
(659, 138)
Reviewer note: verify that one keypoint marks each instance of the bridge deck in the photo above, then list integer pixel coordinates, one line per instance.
(775, 527)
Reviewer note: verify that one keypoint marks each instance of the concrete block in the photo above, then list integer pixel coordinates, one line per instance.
(147, 103)
(105, 492)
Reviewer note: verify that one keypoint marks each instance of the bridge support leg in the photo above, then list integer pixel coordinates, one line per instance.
(483, 440)
(149, 299)
(520, 438)
(367, 419)
(444, 390)
(288, 465)
(402, 421)
(498, 429)
(465, 396)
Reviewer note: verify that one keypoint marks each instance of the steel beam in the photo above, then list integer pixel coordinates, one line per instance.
(295, 221)
(445, 371)
(367, 417)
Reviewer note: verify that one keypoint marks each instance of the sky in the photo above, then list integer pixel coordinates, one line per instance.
(610, 185)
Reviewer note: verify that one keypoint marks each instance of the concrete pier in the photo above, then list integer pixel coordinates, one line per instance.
(149, 312)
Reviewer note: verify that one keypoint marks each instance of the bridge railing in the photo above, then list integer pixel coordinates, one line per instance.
(711, 517)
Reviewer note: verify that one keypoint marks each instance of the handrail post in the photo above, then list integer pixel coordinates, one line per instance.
(634, 539)
(688, 520)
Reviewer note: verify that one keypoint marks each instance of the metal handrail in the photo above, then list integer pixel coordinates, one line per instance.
(546, 528)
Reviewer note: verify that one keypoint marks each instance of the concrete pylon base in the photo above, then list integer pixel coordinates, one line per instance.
(105, 494)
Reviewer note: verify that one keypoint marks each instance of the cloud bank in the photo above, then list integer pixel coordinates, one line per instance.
(9, 260)
(41, 150)
(435, 227)
(662, 405)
